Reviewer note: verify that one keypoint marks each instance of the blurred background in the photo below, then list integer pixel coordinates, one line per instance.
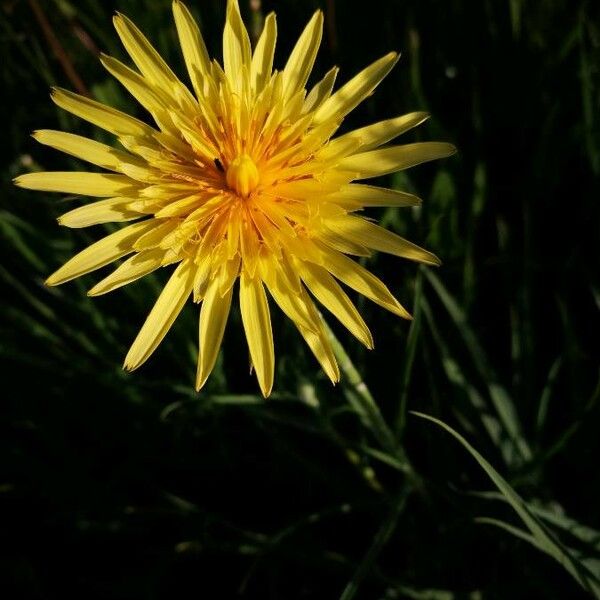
(117, 485)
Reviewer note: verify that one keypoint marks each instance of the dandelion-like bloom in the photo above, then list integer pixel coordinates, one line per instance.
(241, 179)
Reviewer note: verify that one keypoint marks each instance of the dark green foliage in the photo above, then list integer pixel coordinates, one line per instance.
(124, 486)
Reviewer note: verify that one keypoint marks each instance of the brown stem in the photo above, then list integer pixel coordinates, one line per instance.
(84, 37)
(57, 49)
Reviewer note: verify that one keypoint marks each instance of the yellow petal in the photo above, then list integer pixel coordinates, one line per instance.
(342, 243)
(249, 246)
(299, 308)
(257, 325)
(321, 91)
(180, 207)
(229, 271)
(133, 268)
(179, 236)
(194, 137)
(262, 59)
(148, 149)
(356, 90)
(321, 348)
(179, 169)
(172, 142)
(301, 189)
(354, 195)
(86, 184)
(101, 253)
(395, 158)
(360, 279)
(302, 58)
(270, 234)
(98, 114)
(377, 134)
(236, 45)
(135, 84)
(203, 264)
(319, 136)
(213, 318)
(336, 152)
(206, 207)
(89, 150)
(168, 191)
(328, 292)
(154, 236)
(212, 234)
(194, 51)
(143, 54)
(361, 231)
(141, 173)
(162, 316)
(318, 340)
(111, 210)
(285, 293)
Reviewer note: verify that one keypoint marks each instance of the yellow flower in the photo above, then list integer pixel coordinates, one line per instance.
(239, 180)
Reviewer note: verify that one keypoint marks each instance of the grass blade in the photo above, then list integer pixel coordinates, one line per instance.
(544, 539)
(501, 401)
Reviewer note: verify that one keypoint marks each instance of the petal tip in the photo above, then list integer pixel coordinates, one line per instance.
(201, 378)
(94, 291)
(401, 312)
(55, 93)
(52, 281)
(266, 391)
(119, 20)
(129, 365)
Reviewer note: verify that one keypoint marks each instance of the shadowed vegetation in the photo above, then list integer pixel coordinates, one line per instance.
(120, 485)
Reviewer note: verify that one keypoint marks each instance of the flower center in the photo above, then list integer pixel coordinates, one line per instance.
(242, 175)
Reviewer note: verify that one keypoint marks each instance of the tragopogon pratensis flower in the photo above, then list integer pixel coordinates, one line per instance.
(241, 179)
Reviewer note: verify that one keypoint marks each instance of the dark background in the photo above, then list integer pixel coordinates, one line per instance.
(117, 485)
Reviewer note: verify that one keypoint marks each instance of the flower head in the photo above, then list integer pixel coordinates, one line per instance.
(241, 179)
